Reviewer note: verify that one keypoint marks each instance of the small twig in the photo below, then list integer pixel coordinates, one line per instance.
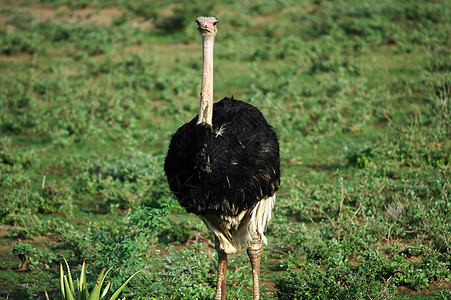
(355, 214)
(388, 234)
(297, 185)
(363, 211)
(311, 220)
(240, 268)
(43, 185)
(342, 189)
(331, 221)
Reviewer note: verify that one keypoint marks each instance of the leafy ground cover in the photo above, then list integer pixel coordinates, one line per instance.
(358, 92)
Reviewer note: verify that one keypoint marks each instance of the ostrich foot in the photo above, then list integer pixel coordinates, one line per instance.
(255, 250)
(222, 270)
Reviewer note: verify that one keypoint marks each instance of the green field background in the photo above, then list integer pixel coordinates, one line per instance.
(357, 91)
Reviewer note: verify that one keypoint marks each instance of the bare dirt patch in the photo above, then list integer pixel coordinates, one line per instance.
(433, 289)
(15, 57)
(102, 16)
(64, 14)
(4, 231)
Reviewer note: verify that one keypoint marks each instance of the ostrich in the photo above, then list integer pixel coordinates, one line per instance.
(224, 166)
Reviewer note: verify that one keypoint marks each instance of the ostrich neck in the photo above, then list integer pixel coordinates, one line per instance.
(206, 93)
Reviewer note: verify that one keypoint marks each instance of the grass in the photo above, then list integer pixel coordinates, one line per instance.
(90, 93)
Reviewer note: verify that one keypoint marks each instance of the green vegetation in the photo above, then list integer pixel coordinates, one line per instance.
(358, 92)
(68, 290)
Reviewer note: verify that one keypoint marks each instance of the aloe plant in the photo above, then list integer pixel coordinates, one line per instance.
(68, 291)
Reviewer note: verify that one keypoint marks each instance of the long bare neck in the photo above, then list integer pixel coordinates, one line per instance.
(206, 93)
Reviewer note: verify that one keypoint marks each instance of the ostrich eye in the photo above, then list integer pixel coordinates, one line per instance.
(214, 23)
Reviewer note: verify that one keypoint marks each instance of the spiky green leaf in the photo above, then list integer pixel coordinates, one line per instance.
(63, 293)
(84, 294)
(116, 294)
(82, 285)
(107, 291)
(71, 282)
(69, 294)
(95, 293)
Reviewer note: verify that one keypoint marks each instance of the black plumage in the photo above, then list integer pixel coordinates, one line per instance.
(225, 168)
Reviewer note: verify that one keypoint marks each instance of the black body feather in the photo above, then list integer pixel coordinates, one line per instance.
(226, 168)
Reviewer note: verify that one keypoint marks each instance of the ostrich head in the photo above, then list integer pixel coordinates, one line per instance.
(207, 26)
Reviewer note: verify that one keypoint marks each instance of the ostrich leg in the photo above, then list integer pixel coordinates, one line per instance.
(222, 270)
(255, 250)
